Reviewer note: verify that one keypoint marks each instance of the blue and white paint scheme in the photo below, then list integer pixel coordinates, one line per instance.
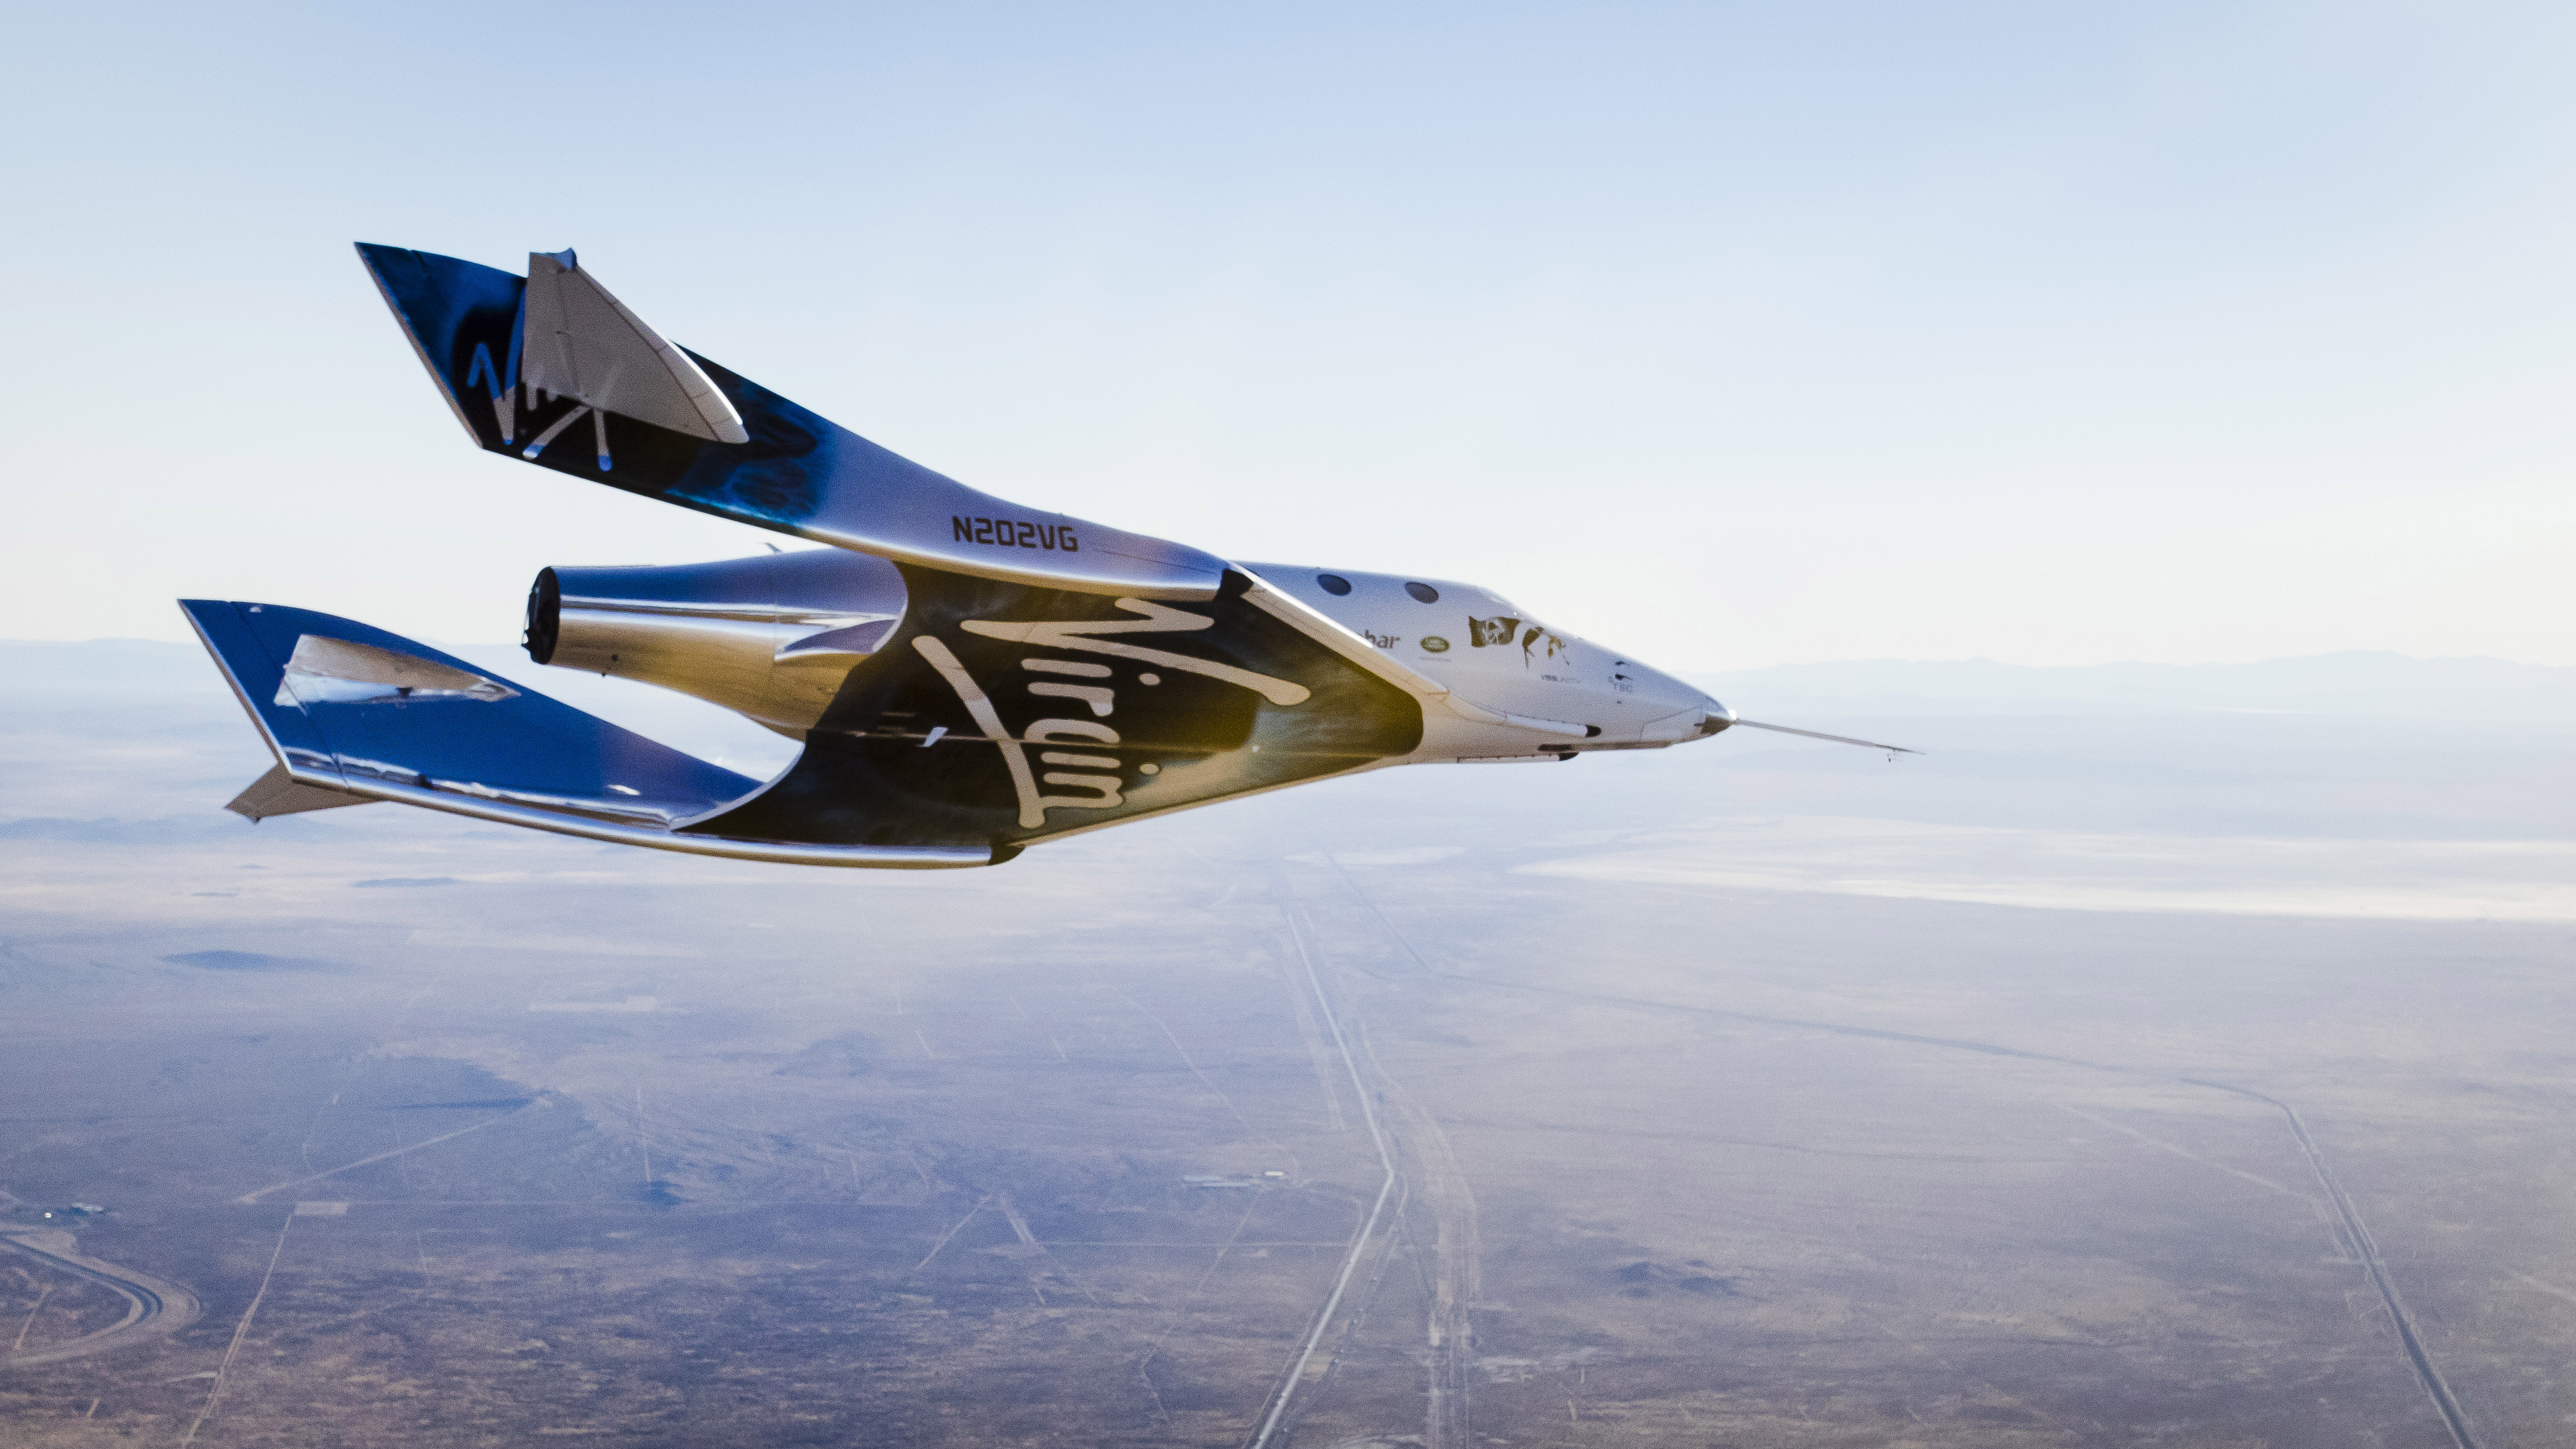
(968, 677)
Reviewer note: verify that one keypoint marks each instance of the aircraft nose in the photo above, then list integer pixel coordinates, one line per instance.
(1714, 718)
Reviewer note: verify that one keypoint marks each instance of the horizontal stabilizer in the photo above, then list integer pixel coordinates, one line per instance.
(356, 714)
(579, 342)
(276, 793)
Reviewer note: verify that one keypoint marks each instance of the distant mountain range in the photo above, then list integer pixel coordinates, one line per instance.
(52, 669)
(2354, 683)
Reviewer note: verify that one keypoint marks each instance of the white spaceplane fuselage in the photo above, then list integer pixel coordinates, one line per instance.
(1550, 692)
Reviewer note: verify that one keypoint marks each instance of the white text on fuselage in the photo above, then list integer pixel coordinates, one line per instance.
(1088, 684)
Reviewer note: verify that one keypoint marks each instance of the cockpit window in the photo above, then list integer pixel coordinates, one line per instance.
(1424, 592)
(1333, 584)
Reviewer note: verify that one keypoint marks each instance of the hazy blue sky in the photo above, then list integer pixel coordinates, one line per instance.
(1727, 334)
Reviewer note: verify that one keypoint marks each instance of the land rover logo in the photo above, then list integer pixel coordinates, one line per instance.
(1434, 644)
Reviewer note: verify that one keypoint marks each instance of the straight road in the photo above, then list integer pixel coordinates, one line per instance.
(1368, 1229)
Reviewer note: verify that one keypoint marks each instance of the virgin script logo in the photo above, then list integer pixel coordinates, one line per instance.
(1096, 691)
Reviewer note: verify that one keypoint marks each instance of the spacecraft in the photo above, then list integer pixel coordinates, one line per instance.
(968, 677)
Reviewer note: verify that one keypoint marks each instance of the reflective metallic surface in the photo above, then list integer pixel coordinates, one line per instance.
(789, 469)
(879, 857)
(772, 637)
(520, 760)
(968, 676)
(1011, 715)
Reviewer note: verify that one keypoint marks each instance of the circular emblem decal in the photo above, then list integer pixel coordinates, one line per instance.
(1434, 644)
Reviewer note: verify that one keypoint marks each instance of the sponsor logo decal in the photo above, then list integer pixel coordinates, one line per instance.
(1434, 644)
(1013, 533)
(1090, 686)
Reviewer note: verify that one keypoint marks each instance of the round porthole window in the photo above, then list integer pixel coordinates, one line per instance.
(1434, 644)
(1424, 592)
(1333, 584)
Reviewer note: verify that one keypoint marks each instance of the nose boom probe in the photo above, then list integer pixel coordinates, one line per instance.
(1892, 750)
